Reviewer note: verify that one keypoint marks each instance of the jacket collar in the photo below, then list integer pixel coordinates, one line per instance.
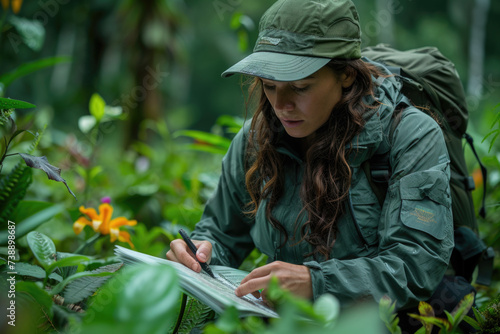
(373, 138)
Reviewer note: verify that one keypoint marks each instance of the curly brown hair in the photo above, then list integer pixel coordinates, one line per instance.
(327, 174)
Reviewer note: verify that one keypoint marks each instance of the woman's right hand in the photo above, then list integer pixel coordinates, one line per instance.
(180, 252)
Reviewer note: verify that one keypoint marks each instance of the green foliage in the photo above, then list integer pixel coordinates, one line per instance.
(205, 141)
(14, 185)
(45, 252)
(151, 241)
(34, 271)
(46, 282)
(30, 32)
(28, 215)
(212, 142)
(193, 314)
(299, 316)
(487, 321)
(30, 292)
(28, 68)
(85, 286)
(428, 319)
(99, 113)
(159, 179)
(388, 316)
(242, 24)
(42, 163)
(14, 104)
(43, 248)
(496, 131)
(5, 118)
(60, 286)
(96, 106)
(128, 304)
(13, 189)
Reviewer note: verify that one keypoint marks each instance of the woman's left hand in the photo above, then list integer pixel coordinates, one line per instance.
(292, 277)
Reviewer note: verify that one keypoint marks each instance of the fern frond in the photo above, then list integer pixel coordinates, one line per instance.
(5, 116)
(13, 189)
(36, 141)
(84, 287)
(196, 314)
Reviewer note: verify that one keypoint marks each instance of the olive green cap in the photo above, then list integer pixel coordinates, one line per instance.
(298, 37)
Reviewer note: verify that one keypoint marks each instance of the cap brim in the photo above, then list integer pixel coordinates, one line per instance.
(277, 66)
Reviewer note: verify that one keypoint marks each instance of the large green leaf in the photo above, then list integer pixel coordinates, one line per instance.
(29, 292)
(59, 287)
(205, 148)
(328, 307)
(141, 299)
(84, 287)
(31, 32)
(26, 221)
(67, 262)
(363, 318)
(230, 121)
(442, 323)
(461, 310)
(30, 67)
(205, 137)
(6, 103)
(96, 106)
(26, 209)
(43, 248)
(26, 269)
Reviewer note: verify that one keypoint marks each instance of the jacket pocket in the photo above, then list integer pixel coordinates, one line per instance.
(366, 216)
(426, 202)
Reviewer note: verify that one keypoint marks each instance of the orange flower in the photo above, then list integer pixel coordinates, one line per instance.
(5, 4)
(16, 5)
(103, 223)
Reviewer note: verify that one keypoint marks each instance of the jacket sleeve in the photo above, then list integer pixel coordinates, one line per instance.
(223, 222)
(415, 229)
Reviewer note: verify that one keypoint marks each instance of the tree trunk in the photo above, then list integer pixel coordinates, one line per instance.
(476, 47)
(150, 29)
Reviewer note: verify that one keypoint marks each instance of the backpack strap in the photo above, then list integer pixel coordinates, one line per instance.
(378, 169)
(484, 172)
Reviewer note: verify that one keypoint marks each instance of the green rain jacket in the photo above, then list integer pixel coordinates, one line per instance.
(401, 249)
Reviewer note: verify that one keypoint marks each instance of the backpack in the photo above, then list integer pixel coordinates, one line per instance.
(430, 80)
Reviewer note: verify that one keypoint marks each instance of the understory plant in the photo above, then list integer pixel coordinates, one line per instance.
(298, 315)
(485, 321)
(53, 287)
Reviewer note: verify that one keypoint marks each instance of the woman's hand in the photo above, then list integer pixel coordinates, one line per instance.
(180, 252)
(292, 277)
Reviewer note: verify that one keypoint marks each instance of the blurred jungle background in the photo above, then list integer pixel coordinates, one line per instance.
(131, 107)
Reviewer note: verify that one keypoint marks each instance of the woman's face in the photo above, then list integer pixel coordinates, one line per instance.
(303, 106)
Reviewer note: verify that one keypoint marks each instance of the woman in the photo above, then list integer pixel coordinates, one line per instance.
(293, 184)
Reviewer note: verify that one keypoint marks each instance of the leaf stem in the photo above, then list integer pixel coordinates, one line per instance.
(94, 136)
(87, 243)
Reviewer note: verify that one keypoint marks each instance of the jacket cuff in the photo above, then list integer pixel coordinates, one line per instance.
(317, 278)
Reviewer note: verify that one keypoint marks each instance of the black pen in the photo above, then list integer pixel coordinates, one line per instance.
(193, 249)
